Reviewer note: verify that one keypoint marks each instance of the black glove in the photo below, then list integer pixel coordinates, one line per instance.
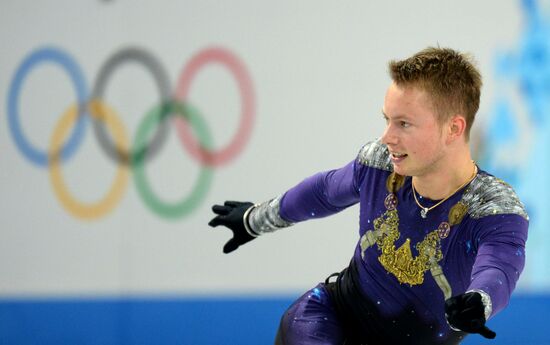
(231, 215)
(467, 313)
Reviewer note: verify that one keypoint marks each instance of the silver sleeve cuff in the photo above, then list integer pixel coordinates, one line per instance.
(245, 221)
(265, 218)
(486, 299)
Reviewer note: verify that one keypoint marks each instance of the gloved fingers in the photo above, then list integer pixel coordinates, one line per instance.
(476, 323)
(487, 333)
(218, 220)
(465, 304)
(472, 298)
(464, 299)
(230, 246)
(452, 311)
(471, 312)
(454, 302)
(231, 203)
(222, 210)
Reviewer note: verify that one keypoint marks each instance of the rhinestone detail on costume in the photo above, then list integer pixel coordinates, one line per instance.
(265, 218)
(375, 154)
(488, 195)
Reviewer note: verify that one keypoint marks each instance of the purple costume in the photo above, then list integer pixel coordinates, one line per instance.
(405, 266)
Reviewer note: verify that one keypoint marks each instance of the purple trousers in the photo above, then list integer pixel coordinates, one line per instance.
(311, 320)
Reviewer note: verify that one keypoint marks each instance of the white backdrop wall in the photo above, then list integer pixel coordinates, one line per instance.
(318, 70)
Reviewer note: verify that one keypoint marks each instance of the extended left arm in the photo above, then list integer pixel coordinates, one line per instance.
(499, 262)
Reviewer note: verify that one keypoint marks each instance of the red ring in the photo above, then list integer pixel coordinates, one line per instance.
(216, 158)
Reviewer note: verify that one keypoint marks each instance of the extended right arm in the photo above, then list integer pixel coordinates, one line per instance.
(320, 195)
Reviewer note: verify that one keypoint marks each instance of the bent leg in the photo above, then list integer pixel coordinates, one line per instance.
(310, 320)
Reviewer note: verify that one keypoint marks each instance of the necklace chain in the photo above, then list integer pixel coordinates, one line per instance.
(424, 210)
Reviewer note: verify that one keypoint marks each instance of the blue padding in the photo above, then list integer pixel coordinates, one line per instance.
(205, 321)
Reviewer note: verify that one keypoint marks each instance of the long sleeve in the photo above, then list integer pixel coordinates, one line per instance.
(321, 195)
(500, 257)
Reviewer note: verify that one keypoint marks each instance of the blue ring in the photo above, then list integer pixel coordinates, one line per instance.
(61, 58)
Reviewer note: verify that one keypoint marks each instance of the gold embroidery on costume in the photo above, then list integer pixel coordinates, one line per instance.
(400, 262)
(457, 212)
(384, 226)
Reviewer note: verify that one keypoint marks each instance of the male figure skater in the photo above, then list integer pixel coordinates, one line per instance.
(441, 242)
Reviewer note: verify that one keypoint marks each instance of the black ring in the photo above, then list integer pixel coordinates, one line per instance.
(161, 78)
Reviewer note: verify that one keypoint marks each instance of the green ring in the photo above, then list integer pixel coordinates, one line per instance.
(151, 121)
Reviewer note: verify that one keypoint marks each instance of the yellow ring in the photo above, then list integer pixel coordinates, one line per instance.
(79, 209)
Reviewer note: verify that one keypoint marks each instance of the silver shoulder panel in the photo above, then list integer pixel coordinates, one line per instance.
(487, 195)
(265, 217)
(376, 155)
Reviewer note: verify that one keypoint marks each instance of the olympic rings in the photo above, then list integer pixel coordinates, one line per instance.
(199, 190)
(104, 118)
(154, 66)
(78, 209)
(77, 77)
(226, 154)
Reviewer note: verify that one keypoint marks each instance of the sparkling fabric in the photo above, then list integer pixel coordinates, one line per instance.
(265, 217)
(488, 195)
(311, 320)
(375, 155)
(474, 240)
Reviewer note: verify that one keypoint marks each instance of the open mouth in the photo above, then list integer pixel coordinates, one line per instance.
(397, 157)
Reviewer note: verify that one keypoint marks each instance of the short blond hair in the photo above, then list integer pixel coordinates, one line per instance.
(449, 77)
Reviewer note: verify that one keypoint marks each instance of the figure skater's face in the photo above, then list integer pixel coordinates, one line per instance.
(413, 135)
